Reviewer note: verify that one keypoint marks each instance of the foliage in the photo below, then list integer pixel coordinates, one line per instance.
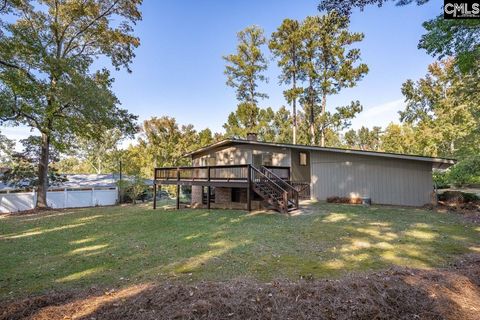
(100, 154)
(81, 248)
(132, 189)
(441, 179)
(444, 110)
(465, 172)
(400, 138)
(23, 166)
(244, 68)
(331, 65)
(6, 148)
(458, 38)
(286, 45)
(250, 118)
(364, 139)
(46, 82)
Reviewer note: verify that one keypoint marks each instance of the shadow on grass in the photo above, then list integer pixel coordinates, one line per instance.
(124, 246)
(397, 293)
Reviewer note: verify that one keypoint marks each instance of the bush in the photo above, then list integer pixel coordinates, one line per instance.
(133, 190)
(441, 179)
(465, 172)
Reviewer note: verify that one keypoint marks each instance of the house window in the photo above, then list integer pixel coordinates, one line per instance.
(267, 159)
(303, 159)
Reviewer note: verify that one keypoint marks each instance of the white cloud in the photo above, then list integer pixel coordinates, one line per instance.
(380, 115)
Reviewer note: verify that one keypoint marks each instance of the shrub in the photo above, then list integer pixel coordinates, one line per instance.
(465, 172)
(441, 179)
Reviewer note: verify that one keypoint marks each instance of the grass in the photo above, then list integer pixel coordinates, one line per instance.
(119, 246)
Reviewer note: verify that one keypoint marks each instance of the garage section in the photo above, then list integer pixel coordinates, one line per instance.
(384, 180)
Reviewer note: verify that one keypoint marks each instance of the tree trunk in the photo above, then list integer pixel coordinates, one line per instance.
(312, 113)
(294, 107)
(43, 172)
(324, 108)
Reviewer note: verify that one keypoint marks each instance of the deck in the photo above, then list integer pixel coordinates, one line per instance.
(235, 176)
(271, 182)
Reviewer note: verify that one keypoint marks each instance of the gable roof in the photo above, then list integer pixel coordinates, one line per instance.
(439, 163)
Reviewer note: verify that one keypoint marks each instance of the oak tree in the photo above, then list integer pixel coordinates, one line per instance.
(47, 78)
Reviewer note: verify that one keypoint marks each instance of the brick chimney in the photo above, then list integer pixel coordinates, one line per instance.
(252, 136)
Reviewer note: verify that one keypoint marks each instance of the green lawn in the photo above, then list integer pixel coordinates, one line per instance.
(133, 244)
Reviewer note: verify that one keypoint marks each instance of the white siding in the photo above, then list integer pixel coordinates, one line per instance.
(385, 181)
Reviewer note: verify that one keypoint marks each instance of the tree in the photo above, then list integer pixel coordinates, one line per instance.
(249, 118)
(244, 70)
(46, 55)
(286, 45)
(21, 171)
(336, 66)
(6, 148)
(364, 138)
(458, 38)
(399, 138)
(281, 126)
(310, 99)
(99, 153)
(444, 109)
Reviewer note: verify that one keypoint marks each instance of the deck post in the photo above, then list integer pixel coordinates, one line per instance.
(209, 188)
(178, 189)
(249, 191)
(154, 195)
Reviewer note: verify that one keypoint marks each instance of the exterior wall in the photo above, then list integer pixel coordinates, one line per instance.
(300, 173)
(385, 181)
(223, 197)
(242, 154)
(225, 156)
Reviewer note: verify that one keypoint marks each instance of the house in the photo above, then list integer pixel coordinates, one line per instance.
(249, 174)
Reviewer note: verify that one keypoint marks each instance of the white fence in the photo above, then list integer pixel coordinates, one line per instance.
(67, 198)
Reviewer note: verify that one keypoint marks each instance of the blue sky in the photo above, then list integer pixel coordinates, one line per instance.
(178, 69)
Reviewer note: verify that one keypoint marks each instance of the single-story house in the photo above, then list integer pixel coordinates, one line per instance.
(248, 174)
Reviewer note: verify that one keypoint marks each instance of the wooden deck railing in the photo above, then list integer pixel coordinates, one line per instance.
(204, 173)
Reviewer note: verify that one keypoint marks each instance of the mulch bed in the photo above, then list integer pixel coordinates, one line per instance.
(398, 293)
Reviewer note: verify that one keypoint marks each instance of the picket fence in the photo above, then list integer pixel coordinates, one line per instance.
(58, 199)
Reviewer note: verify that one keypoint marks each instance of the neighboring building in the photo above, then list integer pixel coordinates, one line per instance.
(250, 174)
(80, 190)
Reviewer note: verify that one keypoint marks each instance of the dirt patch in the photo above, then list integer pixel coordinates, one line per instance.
(470, 210)
(398, 293)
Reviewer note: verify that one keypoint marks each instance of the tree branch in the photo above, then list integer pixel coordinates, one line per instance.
(91, 23)
(13, 66)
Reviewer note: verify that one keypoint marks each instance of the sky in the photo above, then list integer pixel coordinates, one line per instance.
(178, 69)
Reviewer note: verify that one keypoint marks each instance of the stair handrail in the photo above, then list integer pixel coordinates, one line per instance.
(292, 189)
(281, 192)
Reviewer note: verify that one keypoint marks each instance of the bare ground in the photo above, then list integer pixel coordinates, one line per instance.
(397, 293)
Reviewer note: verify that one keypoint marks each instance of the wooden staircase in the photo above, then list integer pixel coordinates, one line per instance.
(275, 191)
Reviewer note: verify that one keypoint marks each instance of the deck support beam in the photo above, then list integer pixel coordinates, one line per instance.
(178, 197)
(154, 195)
(249, 189)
